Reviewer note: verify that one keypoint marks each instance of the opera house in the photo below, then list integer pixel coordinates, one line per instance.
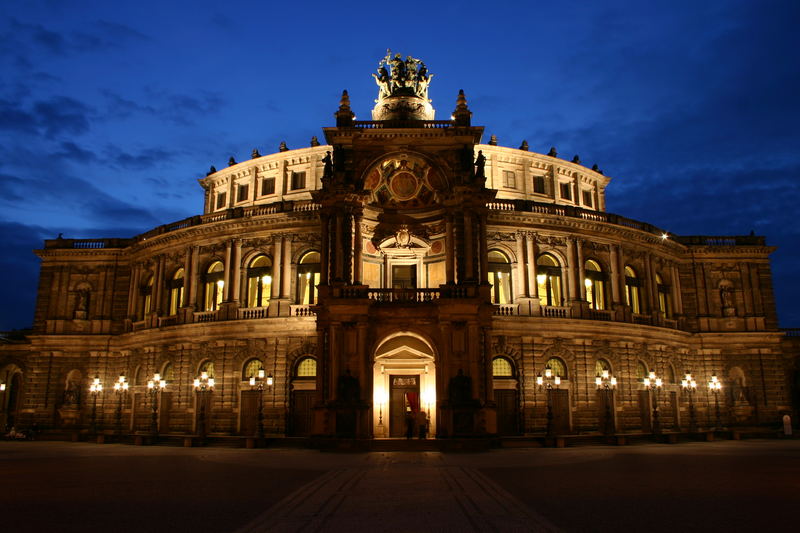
(402, 276)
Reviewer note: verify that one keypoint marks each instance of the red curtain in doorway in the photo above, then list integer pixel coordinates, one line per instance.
(413, 401)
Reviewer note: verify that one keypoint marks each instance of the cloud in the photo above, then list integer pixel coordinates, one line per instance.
(180, 109)
(73, 152)
(20, 269)
(51, 117)
(144, 159)
(103, 35)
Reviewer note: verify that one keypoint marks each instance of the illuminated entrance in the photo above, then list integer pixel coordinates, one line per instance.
(404, 377)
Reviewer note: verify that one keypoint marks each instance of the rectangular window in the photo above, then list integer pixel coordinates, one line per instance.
(220, 200)
(509, 179)
(566, 191)
(242, 193)
(267, 186)
(587, 198)
(298, 181)
(538, 184)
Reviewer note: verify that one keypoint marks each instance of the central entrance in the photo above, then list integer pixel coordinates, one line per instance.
(404, 378)
(403, 401)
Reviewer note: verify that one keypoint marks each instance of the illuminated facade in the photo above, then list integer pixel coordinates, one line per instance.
(342, 288)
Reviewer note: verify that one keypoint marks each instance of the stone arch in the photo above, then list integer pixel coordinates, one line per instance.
(558, 349)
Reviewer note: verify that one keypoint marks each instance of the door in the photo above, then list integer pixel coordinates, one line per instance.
(164, 409)
(560, 399)
(605, 412)
(404, 276)
(248, 413)
(301, 418)
(403, 401)
(507, 412)
(644, 409)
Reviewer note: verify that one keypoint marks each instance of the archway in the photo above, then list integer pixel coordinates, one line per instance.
(404, 377)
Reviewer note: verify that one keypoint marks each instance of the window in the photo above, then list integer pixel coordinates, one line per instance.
(175, 292)
(557, 366)
(267, 186)
(306, 368)
(208, 367)
(566, 191)
(548, 278)
(220, 200)
(251, 369)
(671, 374)
(404, 276)
(500, 277)
(587, 198)
(147, 297)
(214, 285)
(601, 366)
(509, 179)
(242, 192)
(168, 373)
(502, 368)
(308, 278)
(298, 181)
(595, 285)
(259, 281)
(538, 185)
(663, 297)
(641, 371)
(632, 283)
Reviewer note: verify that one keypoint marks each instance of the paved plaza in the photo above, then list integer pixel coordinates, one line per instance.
(715, 486)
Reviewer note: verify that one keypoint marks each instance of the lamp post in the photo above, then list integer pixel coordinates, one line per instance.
(202, 385)
(120, 389)
(715, 386)
(548, 382)
(689, 386)
(606, 383)
(95, 388)
(257, 383)
(154, 388)
(653, 385)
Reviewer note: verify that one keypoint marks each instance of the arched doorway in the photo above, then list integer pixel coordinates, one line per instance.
(404, 377)
(10, 396)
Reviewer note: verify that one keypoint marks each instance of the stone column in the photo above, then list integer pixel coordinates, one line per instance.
(277, 261)
(522, 285)
(194, 279)
(469, 248)
(449, 242)
(339, 252)
(581, 288)
(286, 268)
(324, 255)
(533, 284)
(187, 269)
(483, 249)
(237, 270)
(158, 285)
(614, 278)
(357, 249)
(226, 287)
(133, 292)
(677, 301)
(570, 285)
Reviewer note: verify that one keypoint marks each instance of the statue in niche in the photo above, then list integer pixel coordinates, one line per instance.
(81, 304)
(72, 393)
(727, 298)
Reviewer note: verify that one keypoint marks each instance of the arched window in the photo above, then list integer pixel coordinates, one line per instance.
(251, 369)
(168, 373)
(306, 368)
(670, 374)
(641, 370)
(632, 284)
(600, 366)
(147, 297)
(502, 368)
(139, 376)
(549, 280)
(175, 292)
(308, 278)
(259, 282)
(207, 366)
(214, 285)
(500, 277)
(595, 283)
(664, 306)
(557, 366)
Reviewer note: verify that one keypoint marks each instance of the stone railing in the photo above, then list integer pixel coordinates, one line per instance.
(553, 311)
(205, 316)
(388, 124)
(506, 309)
(791, 332)
(301, 310)
(403, 295)
(164, 321)
(249, 313)
(644, 320)
(600, 314)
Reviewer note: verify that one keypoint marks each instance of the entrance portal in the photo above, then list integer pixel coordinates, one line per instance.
(404, 378)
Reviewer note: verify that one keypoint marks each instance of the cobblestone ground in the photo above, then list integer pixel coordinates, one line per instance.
(729, 486)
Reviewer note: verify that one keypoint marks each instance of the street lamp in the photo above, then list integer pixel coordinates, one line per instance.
(689, 386)
(651, 384)
(606, 383)
(202, 385)
(715, 386)
(154, 387)
(548, 382)
(257, 383)
(95, 388)
(120, 389)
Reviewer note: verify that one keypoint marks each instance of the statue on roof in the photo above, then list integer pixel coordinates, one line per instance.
(399, 77)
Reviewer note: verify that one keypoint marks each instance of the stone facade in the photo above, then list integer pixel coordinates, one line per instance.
(401, 267)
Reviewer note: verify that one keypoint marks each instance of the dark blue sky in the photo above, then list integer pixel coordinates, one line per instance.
(110, 111)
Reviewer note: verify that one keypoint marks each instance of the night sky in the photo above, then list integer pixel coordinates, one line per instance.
(111, 111)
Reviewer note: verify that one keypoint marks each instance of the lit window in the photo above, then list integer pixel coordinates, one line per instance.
(168, 373)
(176, 292)
(548, 278)
(601, 366)
(557, 367)
(147, 297)
(501, 368)
(632, 283)
(259, 282)
(664, 306)
(214, 285)
(251, 369)
(308, 278)
(207, 367)
(595, 285)
(500, 277)
(641, 370)
(306, 368)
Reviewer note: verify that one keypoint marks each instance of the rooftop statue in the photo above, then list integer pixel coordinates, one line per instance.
(398, 77)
